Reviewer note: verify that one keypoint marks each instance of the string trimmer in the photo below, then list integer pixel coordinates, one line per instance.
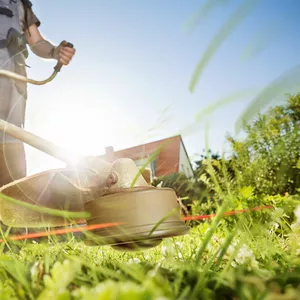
(107, 192)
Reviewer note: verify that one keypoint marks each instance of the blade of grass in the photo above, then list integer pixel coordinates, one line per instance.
(203, 12)
(289, 81)
(234, 20)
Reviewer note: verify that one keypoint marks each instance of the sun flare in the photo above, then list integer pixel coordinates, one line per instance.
(78, 128)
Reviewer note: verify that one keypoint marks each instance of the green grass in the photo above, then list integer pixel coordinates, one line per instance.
(242, 259)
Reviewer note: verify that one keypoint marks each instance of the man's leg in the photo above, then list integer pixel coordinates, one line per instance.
(12, 153)
(12, 162)
(12, 167)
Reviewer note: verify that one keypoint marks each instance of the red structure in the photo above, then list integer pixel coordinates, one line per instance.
(163, 157)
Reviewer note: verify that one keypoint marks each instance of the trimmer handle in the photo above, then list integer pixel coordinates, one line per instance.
(59, 65)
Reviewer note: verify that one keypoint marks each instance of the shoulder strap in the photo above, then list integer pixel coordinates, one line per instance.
(27, 3)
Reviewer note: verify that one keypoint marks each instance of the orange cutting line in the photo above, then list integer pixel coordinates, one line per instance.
(61, 231)
(106, 225)
(234, 212)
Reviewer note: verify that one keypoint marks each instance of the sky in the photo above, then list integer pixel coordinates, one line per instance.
(129, 80)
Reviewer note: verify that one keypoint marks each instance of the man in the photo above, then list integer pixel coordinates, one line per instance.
(18, 27)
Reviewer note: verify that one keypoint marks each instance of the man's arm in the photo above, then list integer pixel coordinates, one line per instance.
(45, 49)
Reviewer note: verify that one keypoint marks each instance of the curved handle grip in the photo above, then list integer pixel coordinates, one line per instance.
(59, 65)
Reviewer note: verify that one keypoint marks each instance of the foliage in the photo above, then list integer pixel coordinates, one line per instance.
(246, 199)
(196, 188)
(177, 181)
(268, 159)
(259, 172)
(217, 174)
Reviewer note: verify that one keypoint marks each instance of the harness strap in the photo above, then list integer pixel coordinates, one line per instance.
(3, 44)
(6, 12)
(15, 41)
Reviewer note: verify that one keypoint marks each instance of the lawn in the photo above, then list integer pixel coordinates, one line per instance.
(250, 256)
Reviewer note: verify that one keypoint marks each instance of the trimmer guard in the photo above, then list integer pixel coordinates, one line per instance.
(51, 189)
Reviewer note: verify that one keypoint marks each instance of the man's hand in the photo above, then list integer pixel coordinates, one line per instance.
(63, 53)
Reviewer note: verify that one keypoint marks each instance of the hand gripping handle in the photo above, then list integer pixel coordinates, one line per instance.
(59, 65)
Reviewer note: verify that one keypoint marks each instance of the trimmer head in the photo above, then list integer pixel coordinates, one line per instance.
(145, 214)
(148, 215)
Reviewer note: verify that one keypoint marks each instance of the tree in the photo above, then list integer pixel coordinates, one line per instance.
(215, 174)
(268, 159)
(200, 165)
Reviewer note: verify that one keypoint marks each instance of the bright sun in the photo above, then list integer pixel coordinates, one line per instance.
(78, 128)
